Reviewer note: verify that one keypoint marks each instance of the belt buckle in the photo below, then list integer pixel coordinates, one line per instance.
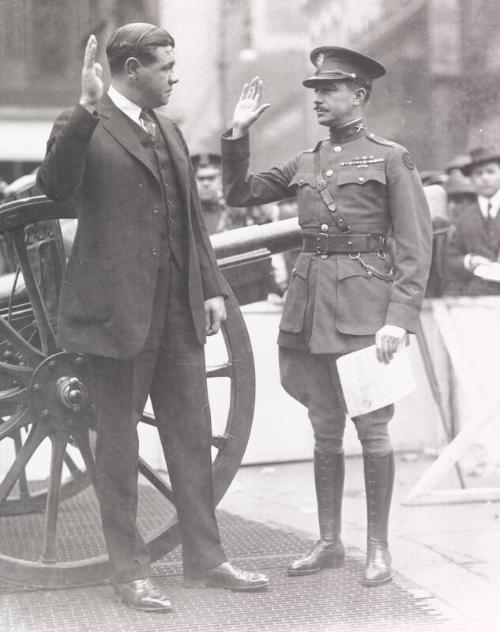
(322, 244)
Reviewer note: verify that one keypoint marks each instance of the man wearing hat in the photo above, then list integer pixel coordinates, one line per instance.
(476, 237)
(349, 290)
(207, 168)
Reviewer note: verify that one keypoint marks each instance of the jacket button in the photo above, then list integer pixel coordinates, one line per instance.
(361, 179)
(154, 252)
(329, 172)
(156, 211)
(337, 149)
(324, 227)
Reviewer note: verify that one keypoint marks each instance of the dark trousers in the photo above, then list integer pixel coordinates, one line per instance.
(171, 369)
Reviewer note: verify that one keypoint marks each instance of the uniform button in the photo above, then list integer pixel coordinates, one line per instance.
(154, 252)
(156, 211)
(329, 172)
(337, 148)
(324, 227)
(361, 179)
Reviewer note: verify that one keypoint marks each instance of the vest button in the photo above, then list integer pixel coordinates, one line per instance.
(156, 211)
(154, 252)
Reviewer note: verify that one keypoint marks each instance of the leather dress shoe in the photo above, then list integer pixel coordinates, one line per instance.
(142, 595)
(324, 554)
(378, 564)
(231, 578)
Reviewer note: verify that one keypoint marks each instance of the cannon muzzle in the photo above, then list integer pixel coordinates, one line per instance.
(275, 237)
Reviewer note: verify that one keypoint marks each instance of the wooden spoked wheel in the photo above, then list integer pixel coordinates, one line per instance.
(47, 419)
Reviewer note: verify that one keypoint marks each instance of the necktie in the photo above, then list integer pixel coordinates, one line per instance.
(490, 211)
(148, 122)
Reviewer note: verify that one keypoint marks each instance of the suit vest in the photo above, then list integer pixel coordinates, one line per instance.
(173, 223)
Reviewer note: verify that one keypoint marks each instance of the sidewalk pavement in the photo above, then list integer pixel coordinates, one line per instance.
(450, 551)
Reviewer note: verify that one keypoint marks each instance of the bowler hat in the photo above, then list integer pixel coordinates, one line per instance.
(334, 63)
(479, 156)
(458, 185)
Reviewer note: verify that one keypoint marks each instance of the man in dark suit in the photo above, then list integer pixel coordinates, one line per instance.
(475, 239)
(357, 193)
(141, 292)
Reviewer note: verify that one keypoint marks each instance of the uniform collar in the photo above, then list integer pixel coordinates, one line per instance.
(349, 131)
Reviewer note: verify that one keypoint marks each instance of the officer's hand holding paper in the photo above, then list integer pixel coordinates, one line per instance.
(370, 383)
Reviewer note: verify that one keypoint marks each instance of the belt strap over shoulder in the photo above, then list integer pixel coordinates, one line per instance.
(326, 196)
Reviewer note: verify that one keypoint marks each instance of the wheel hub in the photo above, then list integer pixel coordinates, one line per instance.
(60, 390)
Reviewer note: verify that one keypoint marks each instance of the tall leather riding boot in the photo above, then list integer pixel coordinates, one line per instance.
(379, 482)
(328, 552)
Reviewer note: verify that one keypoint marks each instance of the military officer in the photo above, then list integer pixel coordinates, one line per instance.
(207, 168)
(359, 280)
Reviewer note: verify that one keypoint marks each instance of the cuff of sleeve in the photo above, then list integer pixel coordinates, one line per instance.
(468, 262)
(83, 122)
(402, 315)
(212, 289)
(235, 148)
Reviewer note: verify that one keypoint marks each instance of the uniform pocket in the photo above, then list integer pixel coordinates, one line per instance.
(361, 176)
(292, 319)
(87, 292)
(362, 297)
(307, 196)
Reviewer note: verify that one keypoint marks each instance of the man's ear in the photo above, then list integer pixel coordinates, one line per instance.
(132, 65)
(360, 95)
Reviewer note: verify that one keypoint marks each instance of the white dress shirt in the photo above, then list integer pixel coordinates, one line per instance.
(128, 107)
(489, 208)
(485, 202)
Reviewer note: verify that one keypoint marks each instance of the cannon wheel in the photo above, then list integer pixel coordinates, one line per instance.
(51, 400)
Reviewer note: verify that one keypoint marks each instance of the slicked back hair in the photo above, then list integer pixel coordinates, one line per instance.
(137, 39)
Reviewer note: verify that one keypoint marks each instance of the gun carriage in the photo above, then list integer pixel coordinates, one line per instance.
(46, 393)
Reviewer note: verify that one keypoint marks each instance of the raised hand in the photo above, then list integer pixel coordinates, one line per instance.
(249, 107)
(92, 84)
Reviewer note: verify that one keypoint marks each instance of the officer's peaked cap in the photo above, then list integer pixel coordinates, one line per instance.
(206, 159)
(334, 63)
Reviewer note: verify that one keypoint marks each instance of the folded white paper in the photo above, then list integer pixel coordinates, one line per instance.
(368, 384)
(488, 271)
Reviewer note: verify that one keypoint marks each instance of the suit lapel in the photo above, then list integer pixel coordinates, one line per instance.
(177, 153)
(116, 123)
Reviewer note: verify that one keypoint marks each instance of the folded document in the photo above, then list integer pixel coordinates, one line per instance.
(368, 384)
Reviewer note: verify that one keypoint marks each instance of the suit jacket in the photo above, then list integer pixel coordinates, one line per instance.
(473, 235)
(97, 163)
(335, 305)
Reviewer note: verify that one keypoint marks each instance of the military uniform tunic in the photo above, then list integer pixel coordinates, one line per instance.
(335, 304)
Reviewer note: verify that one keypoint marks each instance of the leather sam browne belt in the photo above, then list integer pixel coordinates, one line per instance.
(324, 244)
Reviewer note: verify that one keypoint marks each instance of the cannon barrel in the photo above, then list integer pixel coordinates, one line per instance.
(275, 237)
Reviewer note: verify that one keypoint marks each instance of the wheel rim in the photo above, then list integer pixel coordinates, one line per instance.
(50, 400)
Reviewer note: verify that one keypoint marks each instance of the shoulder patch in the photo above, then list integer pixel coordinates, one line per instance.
(380, 140)
(408, 160)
